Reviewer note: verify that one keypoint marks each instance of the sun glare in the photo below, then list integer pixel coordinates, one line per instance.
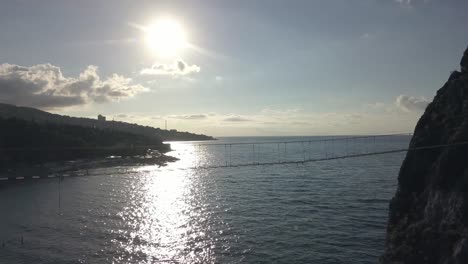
(166, 37)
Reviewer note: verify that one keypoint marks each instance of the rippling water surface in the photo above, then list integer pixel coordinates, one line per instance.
(321, 212)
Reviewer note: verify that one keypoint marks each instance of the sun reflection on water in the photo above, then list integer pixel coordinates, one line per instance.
(165, 219)
(190, 155)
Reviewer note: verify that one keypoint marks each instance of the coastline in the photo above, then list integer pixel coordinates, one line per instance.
(81, 167)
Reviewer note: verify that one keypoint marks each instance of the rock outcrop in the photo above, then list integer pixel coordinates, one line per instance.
(428, 219)
(464, 62)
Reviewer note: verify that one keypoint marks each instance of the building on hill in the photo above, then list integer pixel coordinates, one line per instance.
(39, 116)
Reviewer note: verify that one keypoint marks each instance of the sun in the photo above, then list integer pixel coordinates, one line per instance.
(165, 37)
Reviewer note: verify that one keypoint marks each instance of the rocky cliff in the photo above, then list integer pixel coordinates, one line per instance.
(428, 219)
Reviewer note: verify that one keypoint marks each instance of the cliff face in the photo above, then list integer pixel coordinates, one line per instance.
(428, 219)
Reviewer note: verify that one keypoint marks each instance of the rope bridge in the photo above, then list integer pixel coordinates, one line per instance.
(273, 152)
(303, 151)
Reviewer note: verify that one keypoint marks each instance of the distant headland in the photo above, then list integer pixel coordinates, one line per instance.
(31, 137)
(32, 114)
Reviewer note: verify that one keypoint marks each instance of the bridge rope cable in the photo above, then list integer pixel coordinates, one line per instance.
(279, 154)
(329, 146)
(336, 157)
(77, 173)
(333, 138)
(328, 139)
(429, 147)
(225, 154)
(260, 157)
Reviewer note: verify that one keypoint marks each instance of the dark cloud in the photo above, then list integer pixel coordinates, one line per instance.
(44, 86)
(411, 104)
(236, 119)
(181, 65)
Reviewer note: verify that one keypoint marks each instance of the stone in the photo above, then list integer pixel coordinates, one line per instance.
(464, 62)
(428, 216)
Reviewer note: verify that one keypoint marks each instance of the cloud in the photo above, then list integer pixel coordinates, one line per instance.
(280, 112)
(365, 36)
(405, 2)
(179, 67)
(401, 104)
(189, 117)
(44, 86)
(294, 121)
(236, 119)
(411, 104)
(380, 107)
(410, 3)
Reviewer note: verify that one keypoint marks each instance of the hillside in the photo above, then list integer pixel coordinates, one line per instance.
(27, 142)
(32, 114)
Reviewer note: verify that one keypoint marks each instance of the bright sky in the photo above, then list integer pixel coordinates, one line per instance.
(233, 68)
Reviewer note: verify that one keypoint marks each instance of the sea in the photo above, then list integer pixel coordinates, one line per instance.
(233, 200)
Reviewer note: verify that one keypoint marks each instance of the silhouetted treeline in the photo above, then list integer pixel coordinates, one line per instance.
(32, 114)
(33, 142)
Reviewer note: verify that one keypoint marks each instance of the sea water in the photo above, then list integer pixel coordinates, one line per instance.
(332, 211)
